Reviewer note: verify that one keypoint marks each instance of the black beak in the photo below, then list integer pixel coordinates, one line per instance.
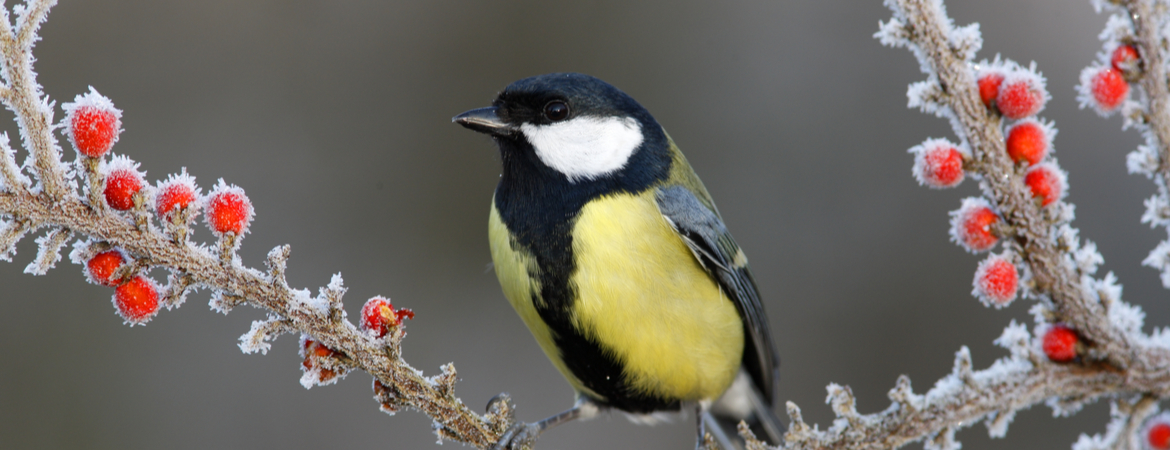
(484, 120)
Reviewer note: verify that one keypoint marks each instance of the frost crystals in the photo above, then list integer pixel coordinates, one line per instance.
(256, 339)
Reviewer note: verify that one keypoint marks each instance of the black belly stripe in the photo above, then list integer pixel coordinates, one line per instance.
(539, 206)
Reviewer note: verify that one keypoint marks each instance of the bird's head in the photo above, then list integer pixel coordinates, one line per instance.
(575, 125)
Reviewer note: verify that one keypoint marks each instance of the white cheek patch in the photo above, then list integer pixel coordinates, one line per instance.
(585, 147)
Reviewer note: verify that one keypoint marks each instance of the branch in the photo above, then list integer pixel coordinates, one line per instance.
(1087, 344)
(139, 245)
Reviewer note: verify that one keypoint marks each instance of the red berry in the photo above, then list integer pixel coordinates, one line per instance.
(379, 316)
(1021, 96)
(121, 185)
(94, 123)
(996, 281)
(313, 350)
(1158, 434)
(1125, 58)
(938, 164)
(173, 194)
(1028, 140)
(102, 266)
(1046, 182)
(228, 210)
(989, 87)
(1060, 343)
(310, 348)
(1109, 89)
(971, 225)
(136, 300)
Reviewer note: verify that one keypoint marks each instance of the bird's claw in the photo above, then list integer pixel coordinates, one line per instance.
(501, 406)
(520, 436)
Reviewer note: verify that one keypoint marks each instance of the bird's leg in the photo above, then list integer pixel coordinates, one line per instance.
(523, 435)
(708, 424)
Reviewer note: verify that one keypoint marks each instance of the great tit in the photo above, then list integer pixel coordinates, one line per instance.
(612, 252)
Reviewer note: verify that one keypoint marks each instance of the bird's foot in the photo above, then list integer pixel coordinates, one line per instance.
(522, 436)
(519, 436)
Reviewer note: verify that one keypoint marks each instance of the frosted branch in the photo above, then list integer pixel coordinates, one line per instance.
(55, 204)
(1140, 25)
(48, 251)
(34, 113)
(1116, 361)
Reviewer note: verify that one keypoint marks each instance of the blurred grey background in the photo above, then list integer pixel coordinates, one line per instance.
(335, 117)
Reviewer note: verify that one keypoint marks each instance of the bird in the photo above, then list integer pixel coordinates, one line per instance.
(612, 252)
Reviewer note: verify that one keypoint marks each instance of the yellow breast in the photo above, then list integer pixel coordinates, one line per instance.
(642, 294)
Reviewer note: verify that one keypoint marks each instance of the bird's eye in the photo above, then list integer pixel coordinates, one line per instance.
(556, 111)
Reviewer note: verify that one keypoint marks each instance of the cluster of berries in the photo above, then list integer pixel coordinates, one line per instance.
(93, 125)
(1106, 87)
(1016, 94)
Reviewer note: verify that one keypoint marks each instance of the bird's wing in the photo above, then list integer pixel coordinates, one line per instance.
(711, 243)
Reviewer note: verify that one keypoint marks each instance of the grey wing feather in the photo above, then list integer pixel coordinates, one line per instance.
(705, 234)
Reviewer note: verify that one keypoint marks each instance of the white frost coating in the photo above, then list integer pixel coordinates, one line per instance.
(585, 147)
(967, 40)
(1159, 258)
(1126, 317)
(12, 176)
(256, 339)
(11, 232)
(1066, 407)
(1157, 210)
(1113, 431)
(219, 303)
(1015, 338)
(175, 299)
(81, 251)
(1067, 236)
(335, 286)
(301, 299)
(997, 425)
(1117, 27)
(926, 95)
(943, 440)
(1088, 258)
(48, 251)
(1107, 289)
